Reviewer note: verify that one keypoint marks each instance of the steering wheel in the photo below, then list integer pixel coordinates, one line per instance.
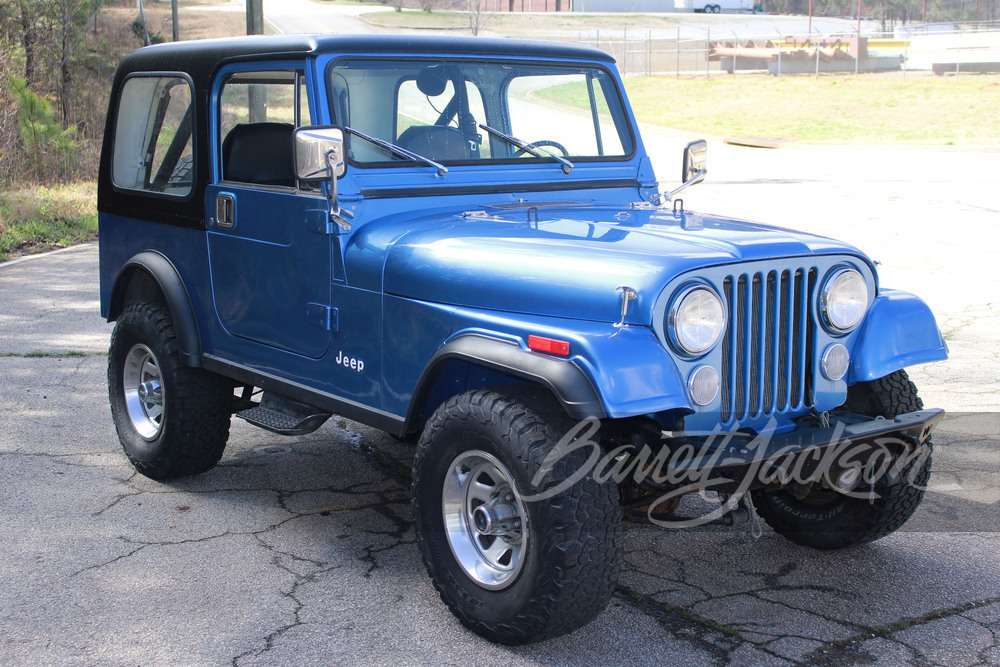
(543, 142)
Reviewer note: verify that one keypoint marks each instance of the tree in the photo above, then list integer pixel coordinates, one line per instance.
(39, 128)
(478, 18)
(19, 23)
(49, 33)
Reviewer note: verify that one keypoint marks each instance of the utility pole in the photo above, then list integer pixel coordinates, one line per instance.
(255, 26)
(145, 28)
(255, 17)
(175, 29)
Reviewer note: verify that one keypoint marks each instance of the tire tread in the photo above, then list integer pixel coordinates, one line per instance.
(197, 419)
(587, 522)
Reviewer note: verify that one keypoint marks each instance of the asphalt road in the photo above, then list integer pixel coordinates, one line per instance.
(301, 550)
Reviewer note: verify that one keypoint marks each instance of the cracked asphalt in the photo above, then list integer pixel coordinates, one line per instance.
(301, 550)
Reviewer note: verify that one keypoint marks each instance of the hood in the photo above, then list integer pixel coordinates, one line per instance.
(571, 261)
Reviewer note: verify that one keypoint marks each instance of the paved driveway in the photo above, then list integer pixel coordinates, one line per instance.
(301, 550)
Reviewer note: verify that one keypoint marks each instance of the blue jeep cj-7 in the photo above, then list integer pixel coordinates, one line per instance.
(464, 239)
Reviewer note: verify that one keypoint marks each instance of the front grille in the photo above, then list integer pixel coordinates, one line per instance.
(766, 363)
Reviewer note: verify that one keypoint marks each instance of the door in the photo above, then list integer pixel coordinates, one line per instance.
(270, 244)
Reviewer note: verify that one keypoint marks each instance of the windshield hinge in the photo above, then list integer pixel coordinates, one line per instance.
(646, 176)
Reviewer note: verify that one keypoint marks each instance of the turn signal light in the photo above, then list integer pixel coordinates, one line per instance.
(549, 345)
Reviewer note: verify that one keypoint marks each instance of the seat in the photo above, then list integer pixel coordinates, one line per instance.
(259, 153)
(437, 142)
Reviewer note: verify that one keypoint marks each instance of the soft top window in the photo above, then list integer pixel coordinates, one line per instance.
(154, 136)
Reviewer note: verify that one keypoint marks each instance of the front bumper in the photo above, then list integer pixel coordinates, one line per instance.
(736, 463)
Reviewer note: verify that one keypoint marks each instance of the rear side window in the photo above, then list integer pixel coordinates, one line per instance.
(153, 136)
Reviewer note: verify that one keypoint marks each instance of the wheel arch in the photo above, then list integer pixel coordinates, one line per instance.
(472, 361)
(150, 276)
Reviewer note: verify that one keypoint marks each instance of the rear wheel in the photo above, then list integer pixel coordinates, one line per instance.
(823, 518)
(513, 568)
(172, 420)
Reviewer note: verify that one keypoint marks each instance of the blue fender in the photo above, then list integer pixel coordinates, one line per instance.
(168, 284)
(610, 372)
(899, 331)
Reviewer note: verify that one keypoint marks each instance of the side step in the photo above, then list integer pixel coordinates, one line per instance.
(284, 416)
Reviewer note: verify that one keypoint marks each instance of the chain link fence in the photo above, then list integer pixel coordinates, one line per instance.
(941, 48)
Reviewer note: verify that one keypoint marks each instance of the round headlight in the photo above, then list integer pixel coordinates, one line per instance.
(697, 320)
(845, 299)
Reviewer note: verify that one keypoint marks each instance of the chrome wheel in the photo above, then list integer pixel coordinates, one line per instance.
(484, 519)
(143, 386)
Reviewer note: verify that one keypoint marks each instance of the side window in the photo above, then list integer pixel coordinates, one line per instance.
(257, 113)
(153, 136)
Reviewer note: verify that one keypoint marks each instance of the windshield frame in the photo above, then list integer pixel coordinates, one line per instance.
(607, 81)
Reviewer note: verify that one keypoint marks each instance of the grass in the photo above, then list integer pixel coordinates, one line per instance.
(872, 109)
(192, 22)
(37, 218)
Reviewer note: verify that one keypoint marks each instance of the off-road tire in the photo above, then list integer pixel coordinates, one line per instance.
(841, 521)
(194, 425)
(573, 552)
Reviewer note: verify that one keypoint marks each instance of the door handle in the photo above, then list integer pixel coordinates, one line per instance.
(225, 211)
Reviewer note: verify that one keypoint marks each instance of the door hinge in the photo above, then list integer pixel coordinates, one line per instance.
(318, 222)
(321, 316)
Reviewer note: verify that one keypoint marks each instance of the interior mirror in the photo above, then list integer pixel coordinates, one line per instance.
(695, 162)
(319, 153)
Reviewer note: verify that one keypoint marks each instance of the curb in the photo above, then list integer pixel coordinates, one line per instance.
(28, 258)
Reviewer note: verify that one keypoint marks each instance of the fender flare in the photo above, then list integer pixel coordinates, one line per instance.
(564, 379)
(166, 277)
(899, 331)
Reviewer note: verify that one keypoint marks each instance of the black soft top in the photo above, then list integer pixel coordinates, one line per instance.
(201, 58)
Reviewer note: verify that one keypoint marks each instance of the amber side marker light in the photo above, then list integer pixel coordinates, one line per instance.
(549, 345)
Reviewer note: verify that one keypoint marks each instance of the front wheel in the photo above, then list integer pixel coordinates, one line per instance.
(513, 567)
(172, 420)
(821, 517)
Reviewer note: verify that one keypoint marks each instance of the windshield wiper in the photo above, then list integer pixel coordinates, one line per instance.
(567, 166)
(397, 150)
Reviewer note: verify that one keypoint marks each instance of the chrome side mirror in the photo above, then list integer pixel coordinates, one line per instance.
(694, 167)
(695, 162)
(319, 154)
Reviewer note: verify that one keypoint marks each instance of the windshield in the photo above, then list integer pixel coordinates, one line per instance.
(437, 110)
